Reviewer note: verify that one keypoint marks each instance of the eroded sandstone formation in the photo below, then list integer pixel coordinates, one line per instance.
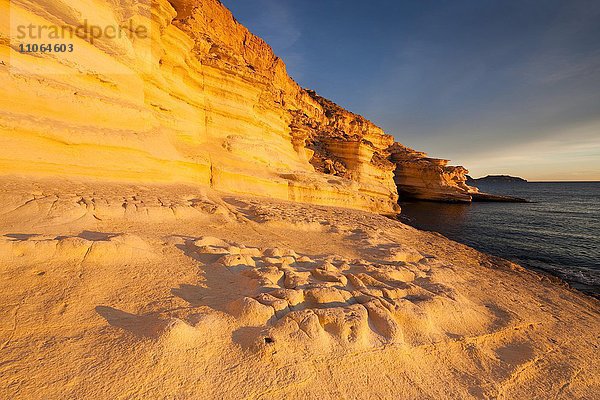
(203, 101)
(346, 144)
(113, 290)
(424, 178)
(199, 100)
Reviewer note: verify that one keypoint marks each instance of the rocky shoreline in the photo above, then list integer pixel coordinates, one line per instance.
(487, 197)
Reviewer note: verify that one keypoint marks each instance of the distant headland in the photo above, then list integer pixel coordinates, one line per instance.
(495, 179)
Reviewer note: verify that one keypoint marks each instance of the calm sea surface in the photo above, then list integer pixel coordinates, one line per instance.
(559, 233)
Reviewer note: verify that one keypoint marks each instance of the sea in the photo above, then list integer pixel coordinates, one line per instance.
(558, 232)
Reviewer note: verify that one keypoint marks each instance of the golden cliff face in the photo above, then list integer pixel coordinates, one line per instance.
(344, 144)
(201, 100)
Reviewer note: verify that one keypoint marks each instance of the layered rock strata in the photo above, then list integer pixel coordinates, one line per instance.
(347, 145)
(201, 100)
(424, 178)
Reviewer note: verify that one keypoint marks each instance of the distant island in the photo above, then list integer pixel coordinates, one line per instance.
(495, 179)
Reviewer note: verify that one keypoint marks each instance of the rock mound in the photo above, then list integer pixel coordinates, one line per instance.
(319, 304)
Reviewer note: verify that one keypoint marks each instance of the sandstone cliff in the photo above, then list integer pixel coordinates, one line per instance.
(203, 101)
(424, 178)
(199, 100)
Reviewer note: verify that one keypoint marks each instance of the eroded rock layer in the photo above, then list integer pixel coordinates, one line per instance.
(421, 177)
(199, 100)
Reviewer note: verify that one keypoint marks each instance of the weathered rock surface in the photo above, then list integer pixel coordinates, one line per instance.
(421, 177)
(201, 100)
(154, 291)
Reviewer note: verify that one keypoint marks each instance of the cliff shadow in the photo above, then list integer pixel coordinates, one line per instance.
(144, 325)
(21, 236)
(95, 236)
(221, 284)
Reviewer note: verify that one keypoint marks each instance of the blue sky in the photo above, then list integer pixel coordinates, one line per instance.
(497, 86)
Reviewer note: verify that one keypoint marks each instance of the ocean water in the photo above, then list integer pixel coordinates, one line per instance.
(558, 233)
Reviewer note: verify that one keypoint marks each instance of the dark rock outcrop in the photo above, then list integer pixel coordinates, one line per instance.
(496, 179)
